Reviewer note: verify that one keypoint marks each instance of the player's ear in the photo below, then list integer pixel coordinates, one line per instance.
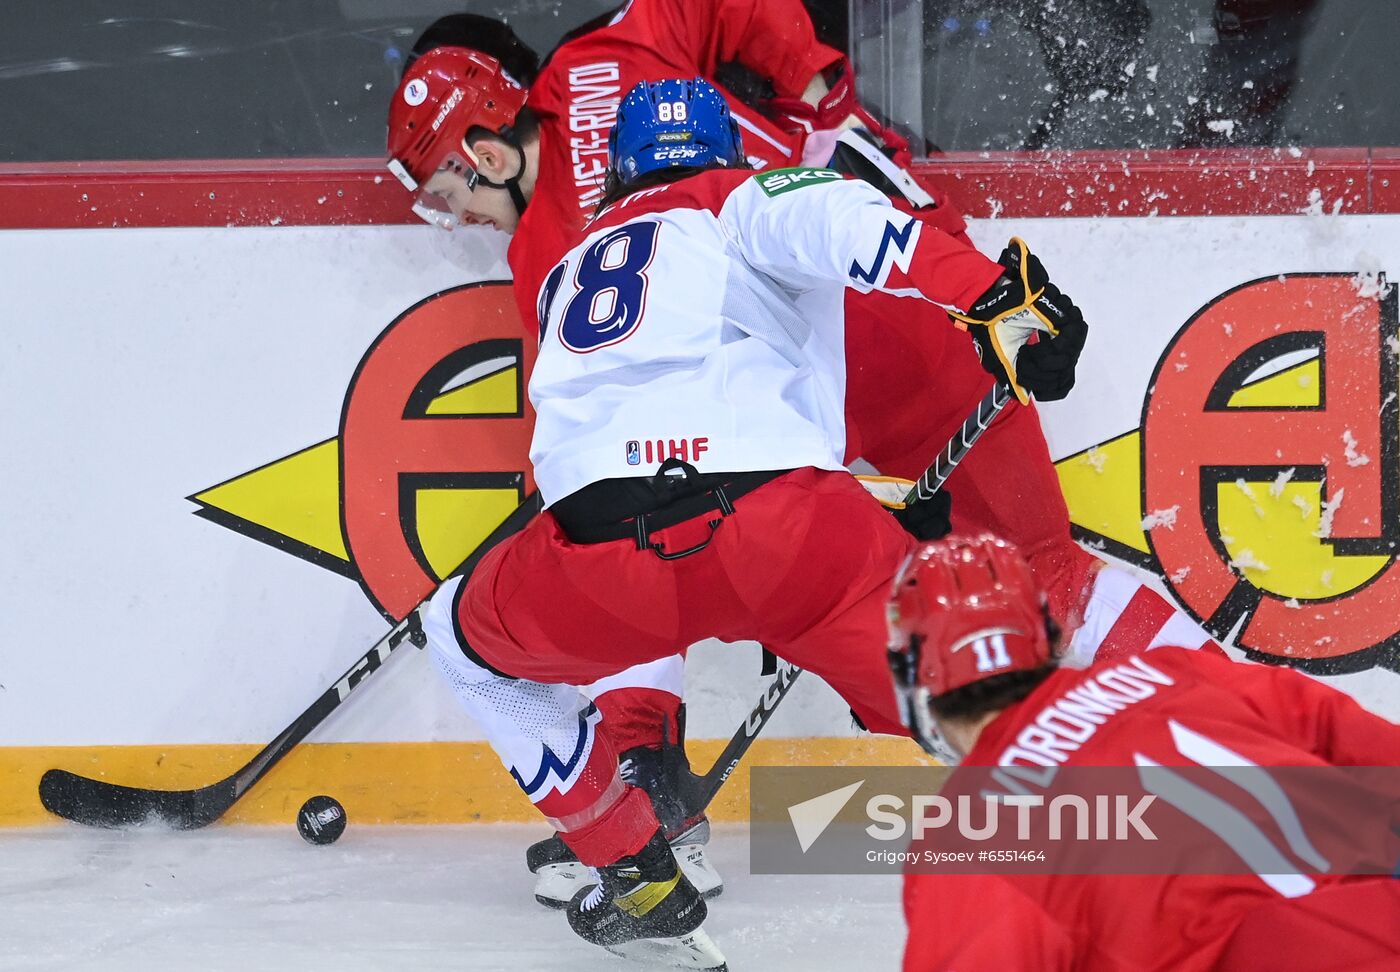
(495, 159)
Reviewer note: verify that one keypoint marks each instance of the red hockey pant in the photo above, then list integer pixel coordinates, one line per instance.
(803, 565)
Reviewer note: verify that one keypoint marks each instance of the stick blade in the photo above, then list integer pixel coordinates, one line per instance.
(96, 803)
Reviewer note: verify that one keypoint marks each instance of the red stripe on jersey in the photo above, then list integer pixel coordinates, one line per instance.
(944, 269)
(1136, 626)
(705, 191)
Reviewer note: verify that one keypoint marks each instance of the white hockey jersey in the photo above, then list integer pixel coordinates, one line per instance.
(704, 320)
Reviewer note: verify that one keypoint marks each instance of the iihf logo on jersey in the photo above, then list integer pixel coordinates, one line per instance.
(659, 450)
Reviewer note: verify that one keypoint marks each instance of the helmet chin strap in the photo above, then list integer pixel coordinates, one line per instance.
(511, 185)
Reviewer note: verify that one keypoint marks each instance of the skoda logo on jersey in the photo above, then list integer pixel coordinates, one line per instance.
(610, 281)
(779, 181)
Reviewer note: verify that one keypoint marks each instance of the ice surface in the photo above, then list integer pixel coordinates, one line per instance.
(381, 898)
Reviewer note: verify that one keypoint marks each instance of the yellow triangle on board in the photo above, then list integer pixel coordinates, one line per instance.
(1103, 486)
(297, 497)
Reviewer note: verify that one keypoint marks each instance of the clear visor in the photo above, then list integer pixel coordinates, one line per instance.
(913, 700)
(925, 727)
(447, 192)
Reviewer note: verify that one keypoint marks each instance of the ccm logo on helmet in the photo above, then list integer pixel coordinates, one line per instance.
(453, 100)
(684, 152)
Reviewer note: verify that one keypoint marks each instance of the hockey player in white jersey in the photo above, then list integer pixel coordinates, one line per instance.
(688, 447)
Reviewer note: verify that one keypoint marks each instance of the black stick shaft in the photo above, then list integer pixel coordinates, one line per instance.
(702, 789)
(370, 661)
(972, 428)
(102, 804)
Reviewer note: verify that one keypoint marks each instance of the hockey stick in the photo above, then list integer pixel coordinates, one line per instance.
(972, 428)
(98, 803)
(697, 791)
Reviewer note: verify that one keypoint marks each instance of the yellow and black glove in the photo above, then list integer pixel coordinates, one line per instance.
(1028, 334)
(927, 519)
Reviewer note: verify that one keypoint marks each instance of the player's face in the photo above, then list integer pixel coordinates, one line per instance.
(452, 192)
(457, 188)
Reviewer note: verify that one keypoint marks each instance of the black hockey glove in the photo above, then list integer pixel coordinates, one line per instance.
(1046, 368)
(927, 519)
(1020, 306)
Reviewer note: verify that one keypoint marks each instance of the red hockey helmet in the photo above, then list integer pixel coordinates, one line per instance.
(443, 95)
(962, 609)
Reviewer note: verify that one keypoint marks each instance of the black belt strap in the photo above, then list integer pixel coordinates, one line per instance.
(694, 495)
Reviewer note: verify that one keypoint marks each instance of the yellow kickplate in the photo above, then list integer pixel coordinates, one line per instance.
(412, 783)
(647, 897)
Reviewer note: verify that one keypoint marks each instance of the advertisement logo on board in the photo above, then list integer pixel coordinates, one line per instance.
(431, 456)
(1262, 480)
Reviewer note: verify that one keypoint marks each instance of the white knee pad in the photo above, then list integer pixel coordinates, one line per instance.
(542, 733)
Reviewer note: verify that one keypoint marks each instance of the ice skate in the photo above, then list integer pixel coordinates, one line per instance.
(559, 875)
(644, 908)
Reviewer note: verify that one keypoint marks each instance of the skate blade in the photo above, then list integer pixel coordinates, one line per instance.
(696, 951)
(556, 884)
(698, 870)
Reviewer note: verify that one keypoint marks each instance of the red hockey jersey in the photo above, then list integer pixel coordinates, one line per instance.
(1190, 711)
(578, 91)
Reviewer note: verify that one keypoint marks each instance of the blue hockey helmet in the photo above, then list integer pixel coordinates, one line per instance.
(669, 124)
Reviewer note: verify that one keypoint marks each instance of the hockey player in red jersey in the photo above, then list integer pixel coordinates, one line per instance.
(641, 706)
(909, 383)
(973, 654)
(535, 170)
(703, 306)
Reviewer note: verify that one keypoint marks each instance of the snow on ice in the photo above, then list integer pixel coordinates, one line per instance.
(230, 899)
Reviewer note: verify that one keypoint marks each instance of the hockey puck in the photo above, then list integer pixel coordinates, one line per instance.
(321, 820)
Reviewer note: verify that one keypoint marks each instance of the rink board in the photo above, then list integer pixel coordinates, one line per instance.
(209, 515)
(379, 783)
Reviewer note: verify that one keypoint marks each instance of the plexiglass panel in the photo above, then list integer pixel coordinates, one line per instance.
(1029, 74)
